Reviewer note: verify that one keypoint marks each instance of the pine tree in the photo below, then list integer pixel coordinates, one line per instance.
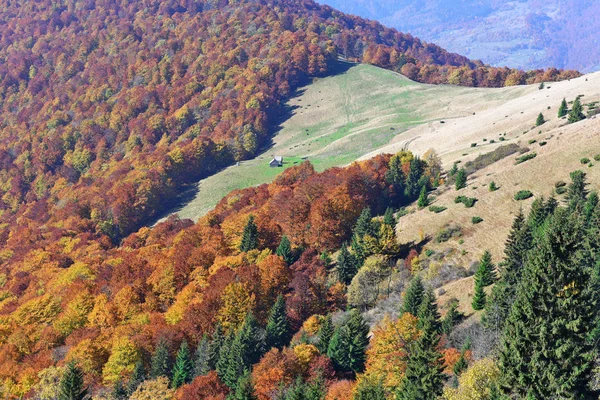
(250, 236)
(540, 120)
(388, 217)
(452, 318)
(284, 250)
(517, 246)
(396, 179)
(577, 190)
(202, 357)
(295, 391)
(563, 109)
(359, 251)
(278, 327)
(183, 371)
(453, 170)
(348, 345)
(223, 360)
(545, 351)
(160, 364)
(479, 298)
(214, 348)
(492, 187)
(245, 350)
(461, 364)
(413, 297)
(325, 334)
(413, 180)
(461, 179)
(244, 389)
(370, 389)
(71, 384)
(119, 392)
(137, 377)
(364, 224)
(576, 113)
(315, 389)
(423, 198)
(424, 377)
(486, 273)
(347, 265)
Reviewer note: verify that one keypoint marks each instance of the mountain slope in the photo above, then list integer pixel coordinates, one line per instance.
(524, 34)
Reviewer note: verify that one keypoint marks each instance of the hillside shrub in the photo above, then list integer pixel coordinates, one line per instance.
(437, 209)
(525, 157)
(467, 201)
(484, 160)
(584, 160)
(448, 233)
(597, 157)
(523, 195)
(475, 220)
(543, 143)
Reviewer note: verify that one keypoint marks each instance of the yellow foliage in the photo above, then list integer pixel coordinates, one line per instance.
(231, 262)
(127, 303)
(313, 324)
(157, 389)
(39, 310)
(163, 284)
(122, 359)
(77, 270)
(188, 295)
(305, 354)
(47, 387)
(101, 315)
(75, 316)
(35, 260)
(476, 382)
(237, 302)
(90, 355)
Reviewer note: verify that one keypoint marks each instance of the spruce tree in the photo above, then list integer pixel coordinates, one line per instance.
(540, 120)
(453, 170)
(370, 389)
(452, 318)
(214, 348)
(479, 298)
(577, 190)
(250, 236)
(423, 198)
(413, 297)
(461, 179)
(396, 179)
(460, 365)
(347, 265)
(119, 392)
(325, 334)
(563, 109)
(517, 246)
(245, 350)
(388, 217)
(284, 250)
(347, 347)
(137, 377)
(160, 364)
(546, 350)
(244, 389)
(413, 180)
(278, 327)
(202, 357)
(364, 224)
(71, 384)
(492, 187)
(576, 113)
(424, 376)
(183, 371)
(295, 391)
(486, 272)
(315, 389)
(223, 360)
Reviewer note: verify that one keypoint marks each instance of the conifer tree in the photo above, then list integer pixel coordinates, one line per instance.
(576, 113)
(250, 236)
(160, 364)
(577, 190)
(137, 377)
(347, 265)
(348, 345)
(119, 392)
(423, 198)
(316, 389)
(183, 370)
(202, 357)
(413, 180)
(245, 350)
(214, 348)
(424, 376)
(563, 109)
(546, 350)
(486, 273)
(479, 298)
(453, 170)
(325, 334)
(244, 389)
(540, 120)
(388, 217)
(396, 179)
(71, 384)
(370, 389)
(492, 187)
(537, 213)
(359, 252)
(461, 179)
(461, 364)
(413, 296)
(223, 360)
(278, 327)
(364, 224)
(296, 391)
(517, 246)
(284, 250)
(452, 318)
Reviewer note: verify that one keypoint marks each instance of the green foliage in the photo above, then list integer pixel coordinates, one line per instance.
(585, 160)
(364, 224)
(540, 120)
(523, 195)
(326, 331)
(119, 392)
(137, 377)
(414, 182)
(576, 113)
(244, 389)
(460, 365)
(369, 389)
(437, 209)
(349, 343)
(479, 298)
(284, 250)
(486, 273)
(278, 328)
(467, 201)
(250, 236)
(214, 347)
(492, 187)
(525, 157)
(347, 265)
(413, 297)
(475, 220)
(388, 217)
(183, 370)
(460, 179)
(423, 198)
(452, 318)
(448, 233)
(453, 170)
(202, 357)
(160, 364)
(577, 190)
(563, 109)
(71, 384)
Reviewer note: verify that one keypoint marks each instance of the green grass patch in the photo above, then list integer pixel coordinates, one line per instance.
(523, 195)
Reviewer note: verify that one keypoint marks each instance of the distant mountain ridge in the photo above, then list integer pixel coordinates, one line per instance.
(524, 34)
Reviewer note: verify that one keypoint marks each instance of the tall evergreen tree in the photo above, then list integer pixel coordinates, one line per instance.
(479, 298)
(370, 389)
(577, 190)
(546, 350)
(423, 198)
(284, 250)
(250, 236)
(364, 224)
(315, 389)
(517, 246)
(246, 349)
(396, 179)
(486, 272)
(460, 180)
(537, 214)
(452, 318)
(278, 327)
(347, 348)
(388, 217)
(183, 370)
(214, 348)
(576, 113)
(413, 296)
(71, 384)
(223, 360)
(119, 391)
(244, 389)
(202, 357)
(137, 377)
(347, 265)
(540, 120)
(160, 364)
(413, 180)
(563, 109)
(325, 334)
(424, 376)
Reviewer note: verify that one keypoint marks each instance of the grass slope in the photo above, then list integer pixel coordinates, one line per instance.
(341, 118)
